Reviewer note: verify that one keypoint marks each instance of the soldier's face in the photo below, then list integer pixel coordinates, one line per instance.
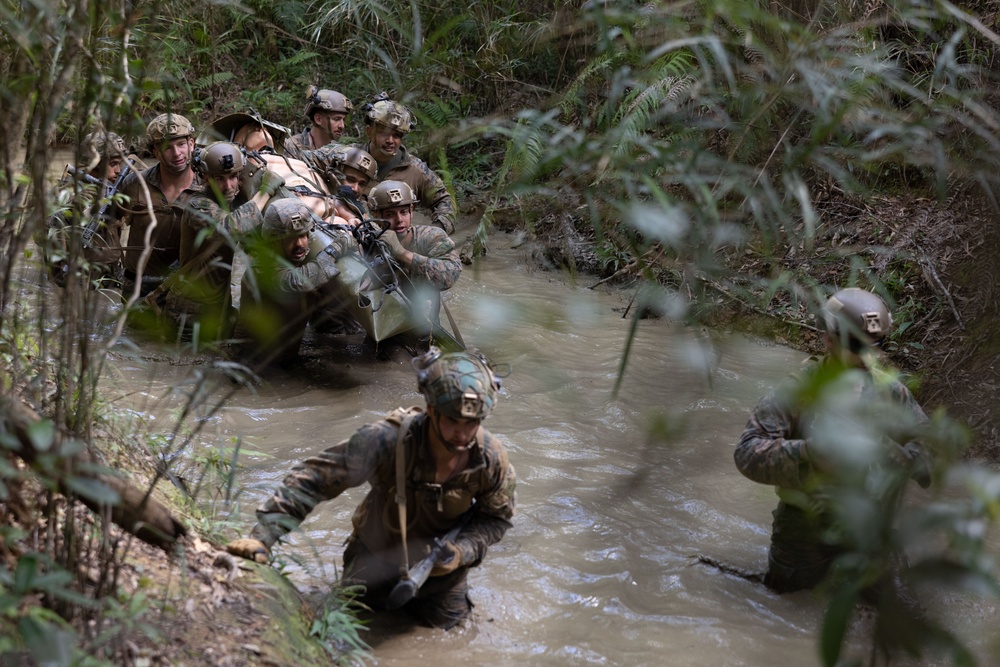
(357, 181)
(384, 141)
(175, 155)
(226, 185)
(456, 434)
(331, 122)
(296, 249)
(400, 219)
(114, 169)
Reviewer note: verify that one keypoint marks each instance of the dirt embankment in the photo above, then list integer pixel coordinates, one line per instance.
(938, 260)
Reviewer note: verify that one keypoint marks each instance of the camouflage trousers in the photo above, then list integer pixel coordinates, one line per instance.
(442, 602)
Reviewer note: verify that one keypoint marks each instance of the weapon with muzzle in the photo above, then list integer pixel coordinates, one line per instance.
(411, 581)
(386, 274)
(91, 228)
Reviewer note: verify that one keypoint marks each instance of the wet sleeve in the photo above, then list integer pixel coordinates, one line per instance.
(310, 276)
(435, 195)
(323, 476)
(435, 259)
(495, 508)
(767, 451)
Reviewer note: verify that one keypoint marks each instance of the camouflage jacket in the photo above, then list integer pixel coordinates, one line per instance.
(775, 449)
(485, 487)
(166, 238)
(204, 222)
(772, 449)
(297, 143)
(326, 161)
(427, 186)
(435, 258)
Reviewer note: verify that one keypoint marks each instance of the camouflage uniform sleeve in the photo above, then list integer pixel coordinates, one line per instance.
(323, 476)
(434, 194)
(495, 506)
(327, 160)
(769, 451)
(310, 276)
(203, 212)
(293, 147)
(435, 257)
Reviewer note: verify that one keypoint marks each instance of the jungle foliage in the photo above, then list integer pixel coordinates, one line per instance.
(672, 133)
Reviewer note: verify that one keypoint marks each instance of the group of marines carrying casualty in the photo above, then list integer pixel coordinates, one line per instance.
(333, 244)
(329, 230)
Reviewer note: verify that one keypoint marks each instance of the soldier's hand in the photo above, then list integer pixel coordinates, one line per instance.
(392, 243)
(270, 182)
(449, 561)
(250, 549)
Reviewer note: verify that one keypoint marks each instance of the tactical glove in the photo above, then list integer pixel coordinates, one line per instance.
(449, 561)
(270, 182)
(392, 243)
(250, 549)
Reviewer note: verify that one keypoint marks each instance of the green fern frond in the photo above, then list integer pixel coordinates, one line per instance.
(216, 79)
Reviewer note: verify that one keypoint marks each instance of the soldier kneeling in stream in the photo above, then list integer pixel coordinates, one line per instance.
(456, 480)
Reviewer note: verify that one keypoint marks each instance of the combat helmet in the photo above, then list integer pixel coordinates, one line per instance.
(219, 159)
(287, 217)
(390, 194)
(105, 143)
(383, 111)
(360, 159)
(460, 385)
(856, 318)
(166, 127)
(326, 100)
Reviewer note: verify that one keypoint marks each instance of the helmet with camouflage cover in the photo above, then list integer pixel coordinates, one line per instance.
(383, 111)
(856, 318)
(390, 194)
(460, 385)
(287, 217)
(360, 159)
(219, 159)
(326, 100)
(166, 127)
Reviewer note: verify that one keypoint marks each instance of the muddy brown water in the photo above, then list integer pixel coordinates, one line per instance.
(600, 567)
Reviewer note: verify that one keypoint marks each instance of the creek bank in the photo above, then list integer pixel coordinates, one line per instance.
(936, 258)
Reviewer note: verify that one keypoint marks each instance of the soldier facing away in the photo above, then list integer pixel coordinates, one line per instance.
(822, 433)
(453, 473)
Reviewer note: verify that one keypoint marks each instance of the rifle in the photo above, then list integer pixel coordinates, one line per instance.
(411, 580)
(91, 228)
(389, 274)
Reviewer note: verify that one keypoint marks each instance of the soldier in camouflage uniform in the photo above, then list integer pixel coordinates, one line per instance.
(805, 448)
(427, 255)
(81, 195)
(453, 470)
(171, 183)
(327, 111)
(200, 290)
(386, 123)
(283, 287)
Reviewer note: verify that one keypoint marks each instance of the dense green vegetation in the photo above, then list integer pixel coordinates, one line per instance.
(673, 135)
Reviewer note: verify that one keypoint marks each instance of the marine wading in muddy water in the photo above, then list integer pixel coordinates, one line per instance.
(329, 260)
